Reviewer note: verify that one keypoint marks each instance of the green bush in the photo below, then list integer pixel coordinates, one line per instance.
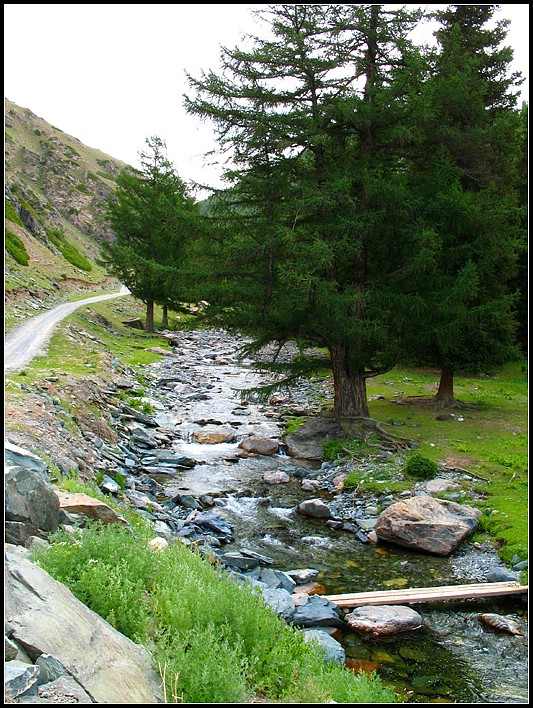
(11, 214)
(15, 248)
(213, 638)
(68, 251)
(420, 467)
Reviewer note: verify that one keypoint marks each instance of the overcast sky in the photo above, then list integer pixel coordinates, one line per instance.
(113, 75)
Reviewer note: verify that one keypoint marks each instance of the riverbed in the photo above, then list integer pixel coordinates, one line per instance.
(454, 658)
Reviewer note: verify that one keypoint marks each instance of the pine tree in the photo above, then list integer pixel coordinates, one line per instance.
(315, 118)
(465, 178)
(152, 216)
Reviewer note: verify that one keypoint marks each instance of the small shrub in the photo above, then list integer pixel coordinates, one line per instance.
(420, 467)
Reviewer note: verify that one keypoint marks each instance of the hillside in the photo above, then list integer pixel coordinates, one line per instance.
(56, 189)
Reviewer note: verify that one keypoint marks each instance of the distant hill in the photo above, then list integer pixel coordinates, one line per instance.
(56, 189)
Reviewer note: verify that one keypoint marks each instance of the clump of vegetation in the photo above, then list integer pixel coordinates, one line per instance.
(11, 214)
(420, 467)
(235, 650)
(16, 248)
(68, 251)
(345, 448)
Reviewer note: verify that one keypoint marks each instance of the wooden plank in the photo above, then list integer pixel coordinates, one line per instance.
(412, 595)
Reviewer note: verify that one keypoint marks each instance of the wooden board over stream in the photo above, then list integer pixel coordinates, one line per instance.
(411, 595)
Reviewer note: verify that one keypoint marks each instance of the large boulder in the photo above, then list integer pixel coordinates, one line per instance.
(427, 524)
(46, 618)
(260, 445)
(383, 620)
(307, 441)
(31, 506)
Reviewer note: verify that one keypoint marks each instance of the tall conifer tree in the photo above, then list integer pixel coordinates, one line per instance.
(153, 216)
(320, 215)
(466, 181)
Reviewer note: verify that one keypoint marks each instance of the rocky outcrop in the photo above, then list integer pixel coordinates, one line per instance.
(31, 506)
(45, 618)
(427, 524)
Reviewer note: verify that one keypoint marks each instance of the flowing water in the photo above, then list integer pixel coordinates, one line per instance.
(453, 659)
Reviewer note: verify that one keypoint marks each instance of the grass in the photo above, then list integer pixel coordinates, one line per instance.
(213, 638)
(487, 436)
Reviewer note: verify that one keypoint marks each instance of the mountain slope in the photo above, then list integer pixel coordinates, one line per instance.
(56, 189)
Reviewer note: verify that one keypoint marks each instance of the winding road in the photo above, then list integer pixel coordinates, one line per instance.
(24, 343)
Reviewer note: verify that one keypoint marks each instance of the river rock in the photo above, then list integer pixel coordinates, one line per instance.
(382, 620)
(314, 508)
(306, 442)
(45, 617)
(276, 477)
(333, 650)
(506, 624)
(427, 524)
(260, 445)
(316, 611)
(212, 438)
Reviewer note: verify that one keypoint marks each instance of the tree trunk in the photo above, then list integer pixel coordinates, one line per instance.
(164, 322)
(150, 316)
(445, 391)
(350, 387)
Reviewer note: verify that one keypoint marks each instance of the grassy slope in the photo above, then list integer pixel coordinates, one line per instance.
(56, 174)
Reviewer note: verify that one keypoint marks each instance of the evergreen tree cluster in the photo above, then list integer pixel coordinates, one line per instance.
(376, 195)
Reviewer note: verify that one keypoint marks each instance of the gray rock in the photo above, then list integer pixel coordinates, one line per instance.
(20, 679)
(316, 611)
(237, 560)
(47, 618)
(306, 442)
(31, 505)
(314, 508)
(280, 601)
(500, 575)
(50, 668)
(64, 686)
(19, 457)
(382, 620)
(333, 650)
(302, 575)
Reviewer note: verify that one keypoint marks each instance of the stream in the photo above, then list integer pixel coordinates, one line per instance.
(454, 658)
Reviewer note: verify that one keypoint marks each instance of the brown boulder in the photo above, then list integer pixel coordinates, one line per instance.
(427, 524)
(260, 445)
(92, 508)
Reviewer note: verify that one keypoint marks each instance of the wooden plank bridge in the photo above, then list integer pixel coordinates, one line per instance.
(413, 595)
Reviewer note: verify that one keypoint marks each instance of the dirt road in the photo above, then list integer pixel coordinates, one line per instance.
(22, 344)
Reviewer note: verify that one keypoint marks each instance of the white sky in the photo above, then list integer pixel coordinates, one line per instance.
(113, 75)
